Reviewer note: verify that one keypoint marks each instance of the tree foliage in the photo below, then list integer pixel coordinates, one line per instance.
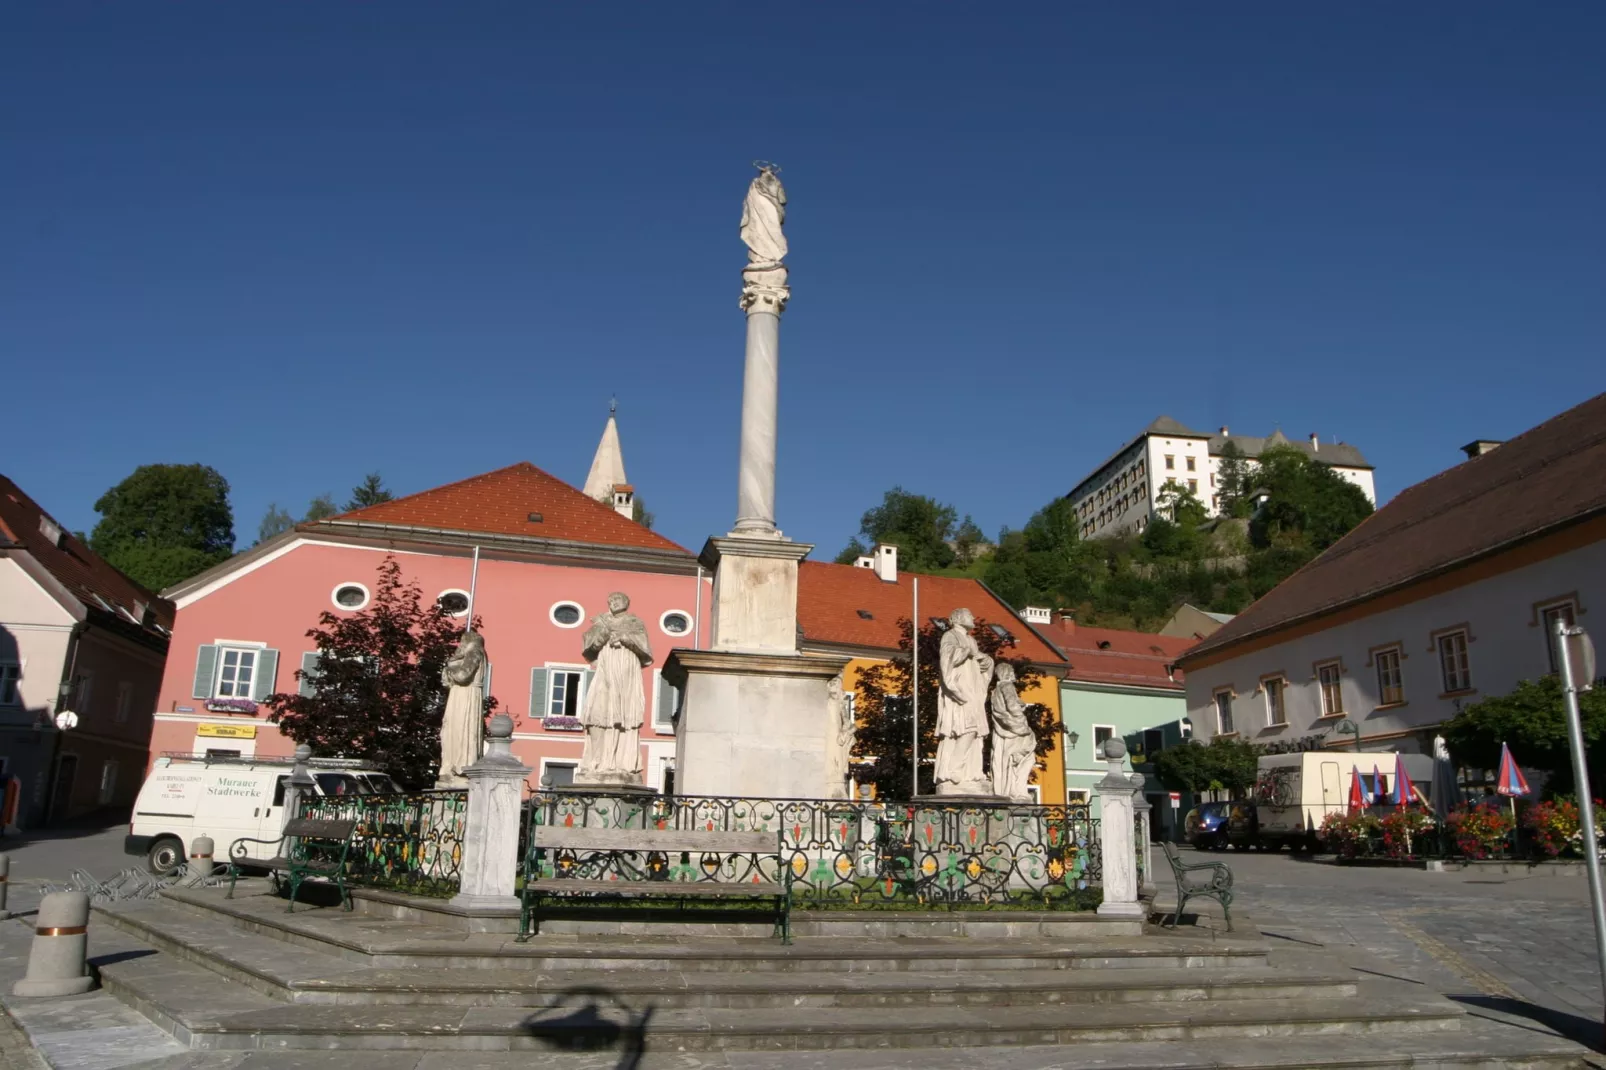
(1221, 765)
(1309, 506)
(1532, 722)
(276, 521)
(321, 508)
(371, 491)
(377, 691)
(920, 527)
(641, 514)
(165, 523)
(883, 743)
(1233, 481)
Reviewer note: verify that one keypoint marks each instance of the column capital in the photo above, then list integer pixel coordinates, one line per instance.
(764, 289)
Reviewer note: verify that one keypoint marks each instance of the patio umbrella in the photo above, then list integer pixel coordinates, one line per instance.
(1377, 784)
(1510, 783)
(1445, 793)
(1357, 797)
(1404, 791)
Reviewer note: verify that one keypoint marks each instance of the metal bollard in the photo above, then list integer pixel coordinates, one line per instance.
(5, 884)
(201, 856)
(56, 963)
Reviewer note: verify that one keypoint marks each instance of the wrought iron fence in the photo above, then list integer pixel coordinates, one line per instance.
(861, 854)
(412, 842)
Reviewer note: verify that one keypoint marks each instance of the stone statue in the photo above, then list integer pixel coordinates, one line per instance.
(762, 215)
(463, 726)
(616, 645)
(1014, 742)
(961, 708)
(843, 729)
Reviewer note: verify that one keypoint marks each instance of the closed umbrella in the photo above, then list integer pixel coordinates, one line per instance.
(1510, 783)
(1444, 788)
(1357, 797)
(1377, 785)
(1404, 792)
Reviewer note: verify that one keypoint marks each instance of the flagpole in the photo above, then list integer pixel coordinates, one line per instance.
(473, 585)
(914, 691)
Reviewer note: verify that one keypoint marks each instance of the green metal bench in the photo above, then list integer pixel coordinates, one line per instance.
(308, 847)
(1200, 880)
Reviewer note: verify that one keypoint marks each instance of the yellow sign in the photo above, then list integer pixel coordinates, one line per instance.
(227, 731)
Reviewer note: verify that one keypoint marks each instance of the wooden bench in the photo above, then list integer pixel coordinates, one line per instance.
(1200, 880)
(594, 864)
(308, 847)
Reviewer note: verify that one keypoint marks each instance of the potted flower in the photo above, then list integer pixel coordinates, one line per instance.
(1479, 831)
(1348, 835)
(562, 723)
(231, 705)
(1403, 829)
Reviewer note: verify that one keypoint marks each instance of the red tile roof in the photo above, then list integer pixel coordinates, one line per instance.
(1112, 656)
(502, 502)
(84, 573)
(1543, 480)
(830, 597)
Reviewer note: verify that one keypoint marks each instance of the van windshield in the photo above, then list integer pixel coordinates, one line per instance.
(338, 784)
(380, 784)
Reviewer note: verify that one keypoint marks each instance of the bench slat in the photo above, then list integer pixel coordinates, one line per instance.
(688, 889)
(644, 840)
(319, 828)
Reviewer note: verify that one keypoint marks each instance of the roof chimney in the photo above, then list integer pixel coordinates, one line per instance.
(886, 562)
(1478, 447)
(1037, 615)
(1067, 621)
(1224, 431)
(1314, 445)
(624, 500)
(864, 561)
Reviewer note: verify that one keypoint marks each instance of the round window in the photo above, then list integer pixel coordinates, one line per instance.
(566, 614)
(675, 623)
(351, 596)
(453, 602)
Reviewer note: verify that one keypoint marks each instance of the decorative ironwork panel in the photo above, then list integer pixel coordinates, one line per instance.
(863, 854)
(410, 842)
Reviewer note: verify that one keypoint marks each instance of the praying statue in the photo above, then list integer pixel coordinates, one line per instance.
(463, 726)
(762, 215)
(961, 708)
(842, 729)
(1014, 742)
(617, 648)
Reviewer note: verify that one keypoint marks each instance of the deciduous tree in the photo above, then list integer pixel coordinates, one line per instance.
(276, 522)
(1531, 721)
(165, 523)
(920, 527)
(322, 507)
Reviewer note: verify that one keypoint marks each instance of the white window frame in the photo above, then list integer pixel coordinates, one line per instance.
(125, 700)
(223, 651)
(1397, 655)
(691, 623)
(11, 675)
(1463, 672)
(1328, 710)
(1094, 730)
(547, 763)
(367, 596)
(662, 728)
(552, 613)
(454, 590)
(1225, 726)
(1078, 796)
(1279, 685)
(552, 672)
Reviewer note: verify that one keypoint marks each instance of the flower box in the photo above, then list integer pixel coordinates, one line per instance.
(562, 724)
(230, 705)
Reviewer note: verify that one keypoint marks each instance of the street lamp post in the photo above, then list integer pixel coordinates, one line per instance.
(1575, 656)
(1347, 727)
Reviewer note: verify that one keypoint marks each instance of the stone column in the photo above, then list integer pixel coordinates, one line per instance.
(491, 832)
(764, 296)
(1117, 852)
(1142, 807)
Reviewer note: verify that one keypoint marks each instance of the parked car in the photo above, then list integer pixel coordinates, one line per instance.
(226, 799)
(1206, 826)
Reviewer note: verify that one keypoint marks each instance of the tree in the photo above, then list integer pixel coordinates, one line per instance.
(1229, 765)
(276, 522)
(918, 526)
(1233, 479)
(1531, 721)
(851, 552)
(641, 514)
(1046, 562)
(1308, 504)
(321, 507)
(882, 746)
(371, 491)
(377, 691)
(165, 523)
(968, 539)
(1181, 505)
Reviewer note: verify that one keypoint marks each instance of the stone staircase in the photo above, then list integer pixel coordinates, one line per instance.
(242, 975)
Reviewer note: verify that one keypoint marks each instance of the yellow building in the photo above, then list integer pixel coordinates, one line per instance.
(855, 610)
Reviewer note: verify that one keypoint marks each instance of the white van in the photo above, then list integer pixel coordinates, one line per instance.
(227, 799)
(1295, 791)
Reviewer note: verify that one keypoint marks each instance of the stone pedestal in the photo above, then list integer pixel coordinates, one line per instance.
(490, 867)
(1118, 854)
(755, 592)
(754, 724)
(1142, 808)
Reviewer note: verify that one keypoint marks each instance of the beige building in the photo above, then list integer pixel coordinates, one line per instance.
(1443, 597)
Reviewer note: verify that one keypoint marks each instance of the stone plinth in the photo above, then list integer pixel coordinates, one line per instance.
(754, 725)
(1118, 853)
(755, 592)
(490, 869)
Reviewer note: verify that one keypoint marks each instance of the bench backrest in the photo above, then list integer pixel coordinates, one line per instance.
(645, 840)
(316, 828)
(1172, 857)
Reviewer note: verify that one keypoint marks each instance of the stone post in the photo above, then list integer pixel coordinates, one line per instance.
(1142, 807)
(201, 849)
(1117, 852)
(56, 962)
(486, 879)
(298, 789)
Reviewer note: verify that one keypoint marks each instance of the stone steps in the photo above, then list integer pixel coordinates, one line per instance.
(206, 1011)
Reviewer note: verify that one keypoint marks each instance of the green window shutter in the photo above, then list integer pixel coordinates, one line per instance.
(267, 669)
(668, 700)
(538, 692)
(307, 686)
(205, 670)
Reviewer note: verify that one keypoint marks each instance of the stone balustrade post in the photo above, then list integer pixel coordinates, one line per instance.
(486, 879)
(1118, 854)
(1143, 808)
(298, 789)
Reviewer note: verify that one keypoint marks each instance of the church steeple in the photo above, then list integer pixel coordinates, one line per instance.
(606, 481)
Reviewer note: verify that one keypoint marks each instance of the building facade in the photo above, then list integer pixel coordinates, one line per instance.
(1123, 494)
(82, 651)
(1441, 598)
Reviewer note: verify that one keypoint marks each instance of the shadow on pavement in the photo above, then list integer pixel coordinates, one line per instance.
(74, 828)
(1585, 1031)
(574, 1021)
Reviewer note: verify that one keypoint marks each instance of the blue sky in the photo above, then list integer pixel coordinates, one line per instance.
(302, 241)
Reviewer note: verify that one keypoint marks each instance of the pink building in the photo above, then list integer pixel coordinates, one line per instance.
(549, 557)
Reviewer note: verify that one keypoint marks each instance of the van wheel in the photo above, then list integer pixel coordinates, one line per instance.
(164, 856)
